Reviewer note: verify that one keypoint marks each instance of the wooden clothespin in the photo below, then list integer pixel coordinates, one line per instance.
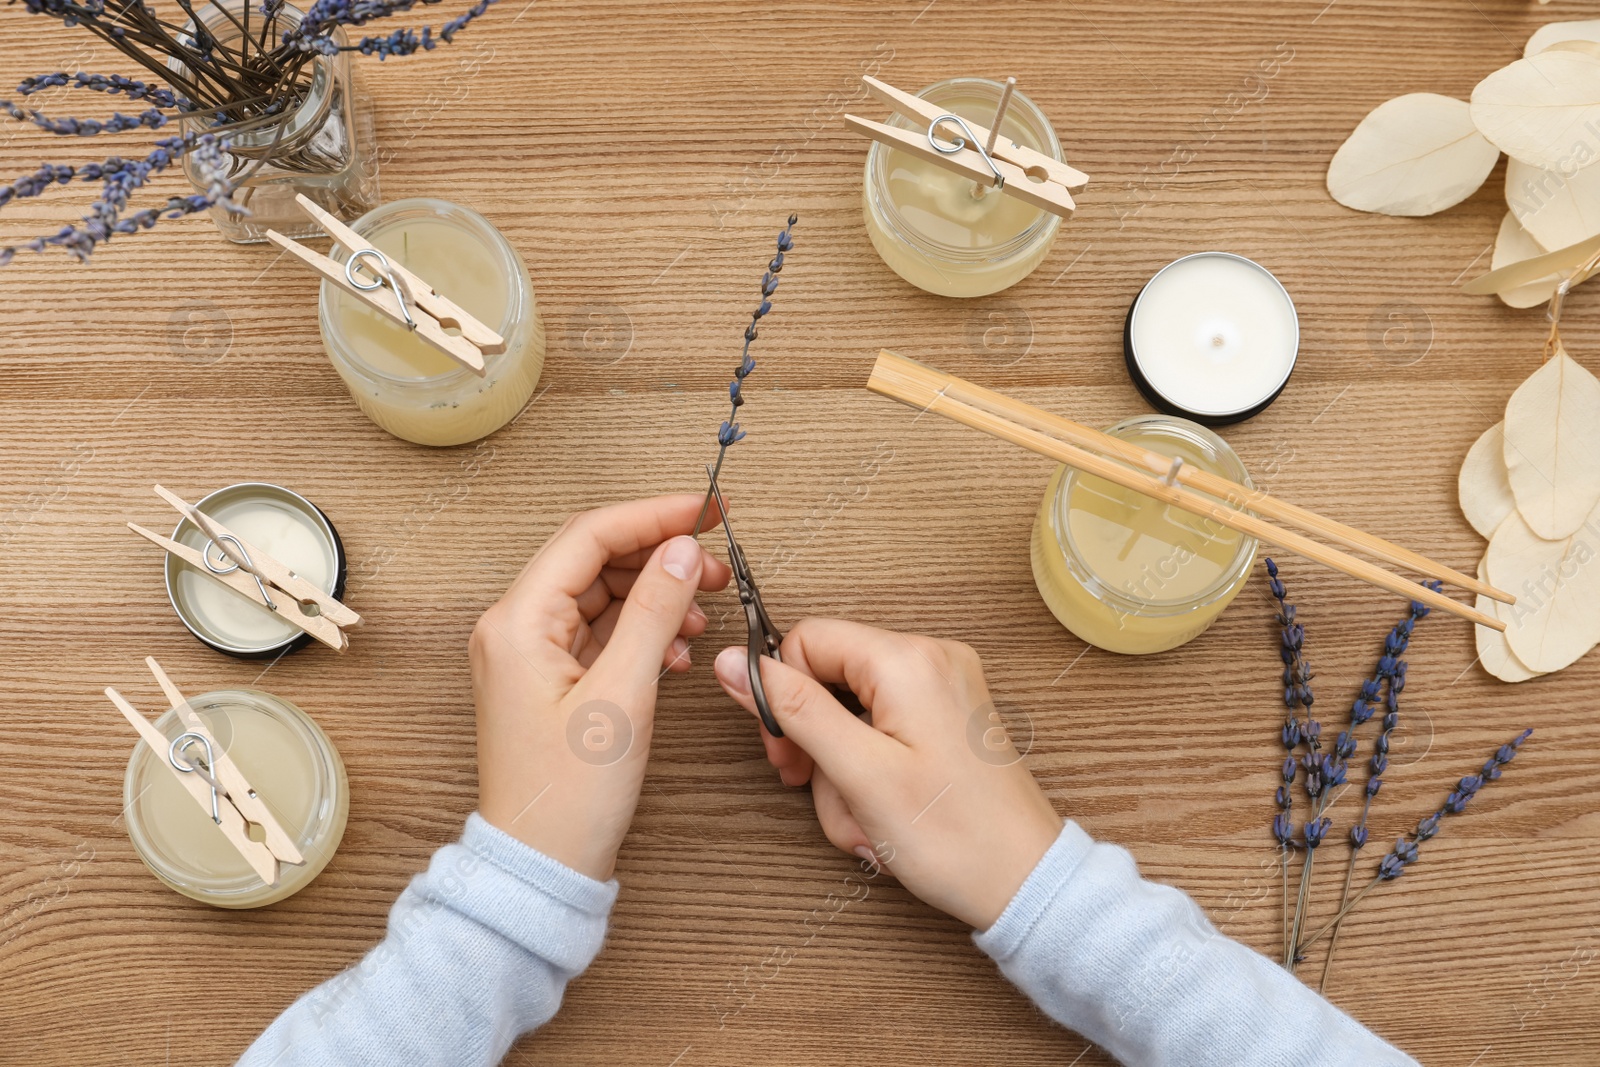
(975, 151)
(395, 292)
(256, 576)
(209, 775)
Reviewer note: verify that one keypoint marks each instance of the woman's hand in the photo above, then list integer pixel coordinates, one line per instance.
(564, 672)
(932, 789)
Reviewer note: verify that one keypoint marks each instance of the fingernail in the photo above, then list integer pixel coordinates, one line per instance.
(866, 853)
(680, 650)
(682, 558)
(733, 670)
(696, 612)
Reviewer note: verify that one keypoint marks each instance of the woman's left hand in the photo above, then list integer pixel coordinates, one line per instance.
(564, 672)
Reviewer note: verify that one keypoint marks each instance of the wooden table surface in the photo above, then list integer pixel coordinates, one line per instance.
(642, 156)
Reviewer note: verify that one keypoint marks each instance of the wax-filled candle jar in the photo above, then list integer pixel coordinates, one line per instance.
(402, 383)
(1131, 574)
(1212, 337)
(284, 525)
(936, 228)
(291, 765)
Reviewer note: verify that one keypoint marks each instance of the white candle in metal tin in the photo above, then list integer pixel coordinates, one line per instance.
(1212, 337)
(277, 523)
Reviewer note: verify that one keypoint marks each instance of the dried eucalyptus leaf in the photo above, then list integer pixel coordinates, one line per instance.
(1587, 47)
(1552, 447)
(1413, 155)
(1515, 274)
(1556, 618)
(1482, 486)
(1558, 209)
(1557, 32)
(1494, 652)
(1514, 245)
(1539, 109)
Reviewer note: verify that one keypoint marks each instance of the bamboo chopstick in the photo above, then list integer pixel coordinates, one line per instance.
(1236, 495)
(922, 387)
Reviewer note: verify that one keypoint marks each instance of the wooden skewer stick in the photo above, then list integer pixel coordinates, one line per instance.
(1000, 114)
(927, 389)
(979, 189)
(1233, 493)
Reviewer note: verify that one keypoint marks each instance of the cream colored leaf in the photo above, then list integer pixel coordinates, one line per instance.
(1556, 32)
(1482, 488)
(1541, 108)
(1512, 245)
(1493, 651)
(1557, 209)
(1516, 274)
(1556, 618)
(1552, 447)
(1413, 155)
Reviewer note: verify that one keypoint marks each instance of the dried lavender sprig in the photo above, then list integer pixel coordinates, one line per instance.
(110, 84)
(1320, 774)
(70, 127)
(729, 432)
(1406, 852)
(1390, 674)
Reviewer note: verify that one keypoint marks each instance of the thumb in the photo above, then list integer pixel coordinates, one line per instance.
(851, 752)
(652, 615)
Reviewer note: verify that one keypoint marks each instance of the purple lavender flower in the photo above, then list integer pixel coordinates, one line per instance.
(729, 433)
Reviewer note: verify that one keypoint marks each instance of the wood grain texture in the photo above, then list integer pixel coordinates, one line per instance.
(644, 202)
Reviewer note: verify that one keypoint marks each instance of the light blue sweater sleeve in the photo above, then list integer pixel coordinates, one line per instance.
(1136, 968)
(479, 949)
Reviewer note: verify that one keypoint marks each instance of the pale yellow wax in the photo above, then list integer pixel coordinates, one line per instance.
(292, 766)
(286, 534)
(418, 393)
(1144, 576)
(954, 239)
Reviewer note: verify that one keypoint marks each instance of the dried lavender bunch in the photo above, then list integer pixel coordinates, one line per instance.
(1406, 852)
(1389, 676)
(729, 432)
(248, 79)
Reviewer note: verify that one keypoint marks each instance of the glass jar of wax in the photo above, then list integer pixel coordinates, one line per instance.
(402, 383)
(942, 232)
(1131, 574)
(284, 525)
(291, 765)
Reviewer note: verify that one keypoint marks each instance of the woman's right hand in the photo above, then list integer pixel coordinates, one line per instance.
(932, 789)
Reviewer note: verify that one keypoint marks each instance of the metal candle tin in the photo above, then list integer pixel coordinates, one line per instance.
(307, 543)
(1239, 372)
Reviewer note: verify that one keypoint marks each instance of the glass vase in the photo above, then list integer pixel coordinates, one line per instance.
(324, 147)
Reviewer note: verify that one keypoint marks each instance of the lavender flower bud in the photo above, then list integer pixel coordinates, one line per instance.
(1391, 868)
(1272, 568)
(1360, 712)
(1428, 827)
(1358, 836)
(1316, 830)
(1373, 785)
(1290, 734)
(1281, 829)
(1277, 587)
(1282, 796)
(1344, 746)
(729, 433)
(1288, 769)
